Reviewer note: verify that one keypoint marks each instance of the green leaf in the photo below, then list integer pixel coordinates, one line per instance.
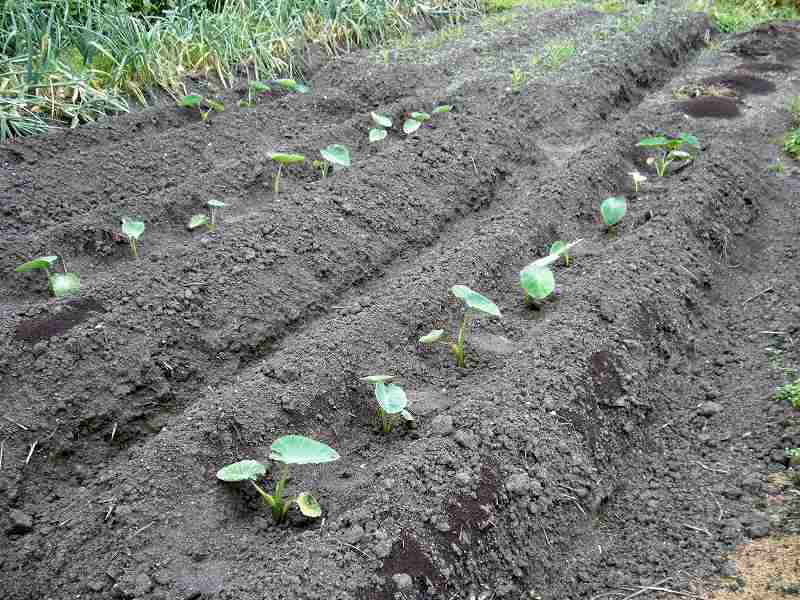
(559, 248)
(420, 116)
(308, 505)
(302, 88)
(391, 398)
(244, 470)
(689, 139)
(43, 262)
(65, 284)
(132, 229)
(381, 119)
(376, 134)
(214, 105)
(432, 337)
(216, 204)
(197, 221)
(190, 101)
(292, 85)
(613, 209)
(411, 125)
(258, 87)
(475, 301)
(373, 379)
(537, 281)
(285, 158)
(653, 142)
(300, 450)
(680, 155)
(336, 154)
(444, 108)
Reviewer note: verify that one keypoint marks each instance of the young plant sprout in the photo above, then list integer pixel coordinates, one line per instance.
(203, 105)
(291, 85)
(612, 210)
(561, 248)
(473, 301)
(442, 109)
(392, 402)
(254, 88)
(638, 179)
(133, 230)
(537, 282)
(669, 150)
(283, 159)
(336, 155)
(59, 284)
(199, 220)
(382, 123)
(415, 121)
(288, 450)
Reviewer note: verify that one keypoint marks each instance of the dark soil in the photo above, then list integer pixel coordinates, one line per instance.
(617, 436)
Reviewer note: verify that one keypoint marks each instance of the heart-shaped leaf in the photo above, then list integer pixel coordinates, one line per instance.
(190, 101)
(443, 108)
(308, 505)
(336, 154)
(65, 284)
(132, 229)
(432, 337)
(244, 470)
(653, 142)
(286, 158)
(300, 450)
(381, 119)
(258, 87)
(376, 134)
(216, 204)
(420, 116)
(689, 139)
(197, 220)
(374, 379)
(43, 262)
(475, 301)
(391, 398)
(538, 282)
(411, 125)
(559, 247)
(613, 209)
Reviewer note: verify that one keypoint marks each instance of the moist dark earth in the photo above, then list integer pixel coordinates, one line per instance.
(618, 436)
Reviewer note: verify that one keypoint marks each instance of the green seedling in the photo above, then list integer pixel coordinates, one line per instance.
(638, 179)
(133, 230)
(382, 123)
(791, 143)
(537, 282)
(789, 392)
(669, 150)
(612, 210)
(59, 284)
(254, 88)
(290, 85)
(793, 455)
(211, 221)
(392, 402)
(473, 302)
(442, 109)
(203, 105)
(561, 248)
(283, 159)
(415, 121)
(336, 155)
(287, 450)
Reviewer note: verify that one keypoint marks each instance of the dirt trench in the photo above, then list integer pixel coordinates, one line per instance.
(619, 436)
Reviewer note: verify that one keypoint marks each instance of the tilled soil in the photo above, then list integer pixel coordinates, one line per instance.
(618, 436)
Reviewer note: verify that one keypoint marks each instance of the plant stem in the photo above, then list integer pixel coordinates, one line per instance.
(458, 347)
(134, 249)
(277, 180)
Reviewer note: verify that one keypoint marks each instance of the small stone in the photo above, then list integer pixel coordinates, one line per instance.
(709, 409)
(96, 585)
(20, 522)
(383, 549)
(463, 478)
(353, 534)
(466, 439)
(518, 484)
(403, 581)
(443, 425)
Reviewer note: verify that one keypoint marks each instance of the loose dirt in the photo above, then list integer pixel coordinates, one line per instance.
(619, 435)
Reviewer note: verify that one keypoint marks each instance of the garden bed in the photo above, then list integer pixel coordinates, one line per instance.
(619, 436)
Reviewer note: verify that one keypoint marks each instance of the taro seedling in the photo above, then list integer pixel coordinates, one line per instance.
(287, 450)
(392, 402)
(133, 230)
(638, 179)
(290, 85)
(473, 302)
(254, 88)
(669, 150)
(59, 284)
(442, 109)
(203, 105)
(336, 155)
(612, 210)
(415, 121)
(283, 159)
(382, 123)
(561, 248)
(210, 222)
(537, 282)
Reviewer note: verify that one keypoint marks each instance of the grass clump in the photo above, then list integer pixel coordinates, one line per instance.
(731, 16)
(791, 143)
(789, 392)
(553, 56)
